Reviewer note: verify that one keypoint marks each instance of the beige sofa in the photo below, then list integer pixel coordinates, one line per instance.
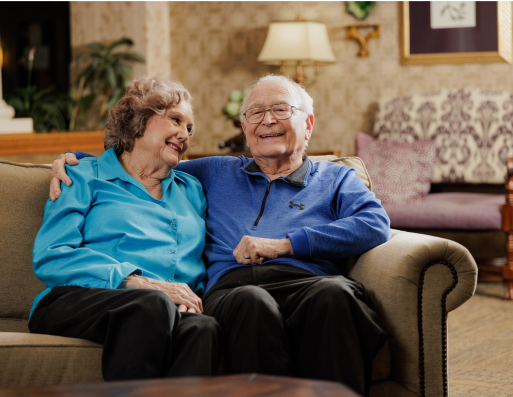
(413, 279)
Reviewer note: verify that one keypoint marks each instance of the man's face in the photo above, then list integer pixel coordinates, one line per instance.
(274, 138)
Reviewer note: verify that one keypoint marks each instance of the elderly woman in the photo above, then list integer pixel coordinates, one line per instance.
(120, 252)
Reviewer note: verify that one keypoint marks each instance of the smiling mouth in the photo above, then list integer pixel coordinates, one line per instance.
(271, 136)
(174, 146)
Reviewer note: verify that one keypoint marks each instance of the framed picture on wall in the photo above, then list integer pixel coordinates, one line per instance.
(436, 32)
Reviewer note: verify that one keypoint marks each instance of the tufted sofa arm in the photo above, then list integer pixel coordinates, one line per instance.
(414, 281)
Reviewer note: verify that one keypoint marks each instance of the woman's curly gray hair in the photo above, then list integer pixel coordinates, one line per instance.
(145, 97)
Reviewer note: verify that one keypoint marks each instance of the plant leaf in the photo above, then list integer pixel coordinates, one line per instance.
(87, 75)
(85, 56)
(129, 56)
(112, 77)
(97, 46)
(116, 96)
(125, 71)
(121, 41)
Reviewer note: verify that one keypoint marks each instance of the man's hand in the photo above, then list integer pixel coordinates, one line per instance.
(58, 174)
(256, 250)
(179, 293)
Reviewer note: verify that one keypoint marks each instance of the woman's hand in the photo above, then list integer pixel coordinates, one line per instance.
(256, 250)
(58, 174)
(179, 293)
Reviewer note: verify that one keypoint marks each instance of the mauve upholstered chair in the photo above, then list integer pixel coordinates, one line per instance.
(473, 131)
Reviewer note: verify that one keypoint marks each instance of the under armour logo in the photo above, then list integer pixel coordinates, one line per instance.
(301, 206)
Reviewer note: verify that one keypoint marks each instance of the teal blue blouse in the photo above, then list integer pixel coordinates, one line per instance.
(106, 226)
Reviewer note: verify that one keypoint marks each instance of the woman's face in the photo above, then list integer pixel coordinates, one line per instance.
(166, 137)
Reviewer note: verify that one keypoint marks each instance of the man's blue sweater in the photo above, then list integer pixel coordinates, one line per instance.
(323, 208)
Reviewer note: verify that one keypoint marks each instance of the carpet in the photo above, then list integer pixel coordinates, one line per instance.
(480, 345)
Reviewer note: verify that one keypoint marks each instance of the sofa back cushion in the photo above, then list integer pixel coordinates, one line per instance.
(352, 162)
(472, 128)
(24, 190)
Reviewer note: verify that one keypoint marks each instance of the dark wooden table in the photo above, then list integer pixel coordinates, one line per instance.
(219, 386)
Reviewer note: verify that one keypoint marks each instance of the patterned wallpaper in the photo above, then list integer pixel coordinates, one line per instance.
(213, 46)
(158, 39)
(106, 22)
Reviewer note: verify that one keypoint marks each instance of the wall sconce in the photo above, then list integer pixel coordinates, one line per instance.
(297, 43)
(364, 41)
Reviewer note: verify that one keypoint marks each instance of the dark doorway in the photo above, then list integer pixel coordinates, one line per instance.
(44, 27)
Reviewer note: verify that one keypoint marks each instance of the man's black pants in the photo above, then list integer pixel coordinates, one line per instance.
(283, 320)
(143, 334)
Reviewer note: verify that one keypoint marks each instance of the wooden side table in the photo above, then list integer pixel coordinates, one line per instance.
(43, 148)
(50, 142)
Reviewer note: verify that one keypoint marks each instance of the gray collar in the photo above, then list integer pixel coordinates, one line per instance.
(295, 178)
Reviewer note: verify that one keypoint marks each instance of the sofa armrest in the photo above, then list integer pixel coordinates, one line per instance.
(407, 278)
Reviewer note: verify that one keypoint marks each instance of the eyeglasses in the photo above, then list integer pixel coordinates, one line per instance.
(280, 111)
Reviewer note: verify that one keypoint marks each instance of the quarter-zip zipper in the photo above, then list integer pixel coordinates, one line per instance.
(263, 203)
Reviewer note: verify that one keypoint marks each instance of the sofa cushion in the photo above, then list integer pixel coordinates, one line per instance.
(13, 325)
(401, 171)
(24, 190)
(352, 162)
(38, 360)
(477, 211)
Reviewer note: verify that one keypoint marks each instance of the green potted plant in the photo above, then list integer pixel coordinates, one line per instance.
(101, 81)
(236, 144)
(231, 108)
(49, 110)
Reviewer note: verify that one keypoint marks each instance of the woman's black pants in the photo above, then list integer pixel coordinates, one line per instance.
(281, 320)
(143, 334)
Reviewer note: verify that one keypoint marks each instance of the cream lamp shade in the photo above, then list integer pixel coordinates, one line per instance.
(290, 42)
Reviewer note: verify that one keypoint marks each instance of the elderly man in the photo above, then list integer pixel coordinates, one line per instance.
(279, 232)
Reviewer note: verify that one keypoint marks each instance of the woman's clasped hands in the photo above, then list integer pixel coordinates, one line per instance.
(179, 293)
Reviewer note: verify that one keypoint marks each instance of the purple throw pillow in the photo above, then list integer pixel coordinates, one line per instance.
(401, 172)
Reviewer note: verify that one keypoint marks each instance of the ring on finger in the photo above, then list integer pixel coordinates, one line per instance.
(245, 257)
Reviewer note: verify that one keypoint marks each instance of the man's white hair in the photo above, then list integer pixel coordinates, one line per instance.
(305, 101)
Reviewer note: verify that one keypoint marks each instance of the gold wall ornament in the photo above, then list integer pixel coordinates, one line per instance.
(352, 32)
(504, 51)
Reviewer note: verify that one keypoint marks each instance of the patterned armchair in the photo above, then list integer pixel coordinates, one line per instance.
(473, 130)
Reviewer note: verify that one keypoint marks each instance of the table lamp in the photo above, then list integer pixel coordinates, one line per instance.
(297, 43)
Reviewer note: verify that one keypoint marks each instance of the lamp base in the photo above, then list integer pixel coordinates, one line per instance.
(300, 78)
(8, 125)
(6, 111)
(16, 126)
